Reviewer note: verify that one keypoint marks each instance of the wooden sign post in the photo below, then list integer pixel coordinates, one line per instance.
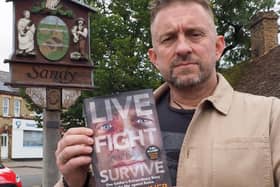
(51, 59)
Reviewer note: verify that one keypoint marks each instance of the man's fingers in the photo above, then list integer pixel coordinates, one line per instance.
(79, 130)
(73, 154)
(69, 140)
(76, 142)
(73, 151)
(75, 163)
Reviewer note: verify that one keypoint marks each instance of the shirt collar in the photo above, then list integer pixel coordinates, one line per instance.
(221, 98)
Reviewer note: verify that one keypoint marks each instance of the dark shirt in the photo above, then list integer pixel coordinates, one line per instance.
(173, 123)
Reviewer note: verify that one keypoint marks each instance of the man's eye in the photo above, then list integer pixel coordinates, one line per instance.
(167, 39)
(197, 34)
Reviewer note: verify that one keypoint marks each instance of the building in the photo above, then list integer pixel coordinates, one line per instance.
(262, 75)
(20, 137)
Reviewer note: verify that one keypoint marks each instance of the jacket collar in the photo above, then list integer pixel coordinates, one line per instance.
(221, 98)
(222, 95)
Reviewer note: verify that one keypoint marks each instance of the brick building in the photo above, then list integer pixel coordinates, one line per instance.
(262, 75)
(13, 110)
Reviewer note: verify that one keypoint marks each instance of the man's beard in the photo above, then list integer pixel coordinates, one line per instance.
(180, 80)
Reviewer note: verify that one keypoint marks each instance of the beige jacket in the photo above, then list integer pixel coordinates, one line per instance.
(233, 140)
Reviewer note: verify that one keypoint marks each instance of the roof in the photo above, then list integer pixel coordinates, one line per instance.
(262, 76)
(81, 3)
(5, 77)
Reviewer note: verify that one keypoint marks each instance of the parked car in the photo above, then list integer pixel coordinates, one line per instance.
(8, 178)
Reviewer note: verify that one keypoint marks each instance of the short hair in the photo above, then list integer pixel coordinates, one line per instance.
(157, 5)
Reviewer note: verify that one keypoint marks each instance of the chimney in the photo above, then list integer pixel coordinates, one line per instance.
(264, 33)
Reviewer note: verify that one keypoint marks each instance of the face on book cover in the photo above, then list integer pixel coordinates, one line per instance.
(124, 141)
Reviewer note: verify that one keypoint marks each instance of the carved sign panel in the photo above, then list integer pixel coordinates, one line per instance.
(51, 76)
(54, 99)
(53, 38)
(69, 97)
(52, 44)
(39, 97)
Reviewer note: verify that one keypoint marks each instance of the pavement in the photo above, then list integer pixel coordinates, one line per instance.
(23, 163)
(30, 171)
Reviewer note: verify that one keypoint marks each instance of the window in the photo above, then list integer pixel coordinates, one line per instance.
(4, 141)
(17, 107)
(6, 102)
(32, 138)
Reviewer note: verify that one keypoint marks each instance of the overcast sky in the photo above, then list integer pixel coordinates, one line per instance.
(6, 14)
(6, 38)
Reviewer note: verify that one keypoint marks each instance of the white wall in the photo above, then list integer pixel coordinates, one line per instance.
(19, 151)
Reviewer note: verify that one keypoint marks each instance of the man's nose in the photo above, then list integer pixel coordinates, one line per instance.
(183, 45)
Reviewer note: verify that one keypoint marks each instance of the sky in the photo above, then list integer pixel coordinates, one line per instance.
(6, 33)
(6, 38)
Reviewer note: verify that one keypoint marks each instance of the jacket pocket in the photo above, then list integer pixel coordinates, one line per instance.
(242, 162)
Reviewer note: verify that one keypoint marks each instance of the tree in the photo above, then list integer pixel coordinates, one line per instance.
(32, 107)
(233, 21)
(120, 38)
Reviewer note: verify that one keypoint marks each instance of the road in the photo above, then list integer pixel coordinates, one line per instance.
(30, 177)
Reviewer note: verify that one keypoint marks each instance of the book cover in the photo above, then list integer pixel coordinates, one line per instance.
(128, 149)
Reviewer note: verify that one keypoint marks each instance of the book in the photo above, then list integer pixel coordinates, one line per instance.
(128, 148)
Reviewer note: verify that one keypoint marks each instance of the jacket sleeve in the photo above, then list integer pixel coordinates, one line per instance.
(90, 184)
(275, 140)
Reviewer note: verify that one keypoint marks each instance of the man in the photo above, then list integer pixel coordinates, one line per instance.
(79, 32)
(232, 139)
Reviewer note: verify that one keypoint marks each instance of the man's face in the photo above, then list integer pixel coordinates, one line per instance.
(185, 44)
(120, 132)
(80, 22)
(27, 14)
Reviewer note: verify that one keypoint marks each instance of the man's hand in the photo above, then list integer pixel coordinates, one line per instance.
(73, 155)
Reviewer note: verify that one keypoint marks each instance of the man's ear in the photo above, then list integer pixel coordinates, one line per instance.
(153, 57)
(220, 46)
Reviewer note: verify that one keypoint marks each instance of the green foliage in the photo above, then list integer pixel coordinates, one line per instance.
(233, 21)
(35, 9)
(74, 116)
(120, 38)
(234, 73)
(32, 107)
(60, 11)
